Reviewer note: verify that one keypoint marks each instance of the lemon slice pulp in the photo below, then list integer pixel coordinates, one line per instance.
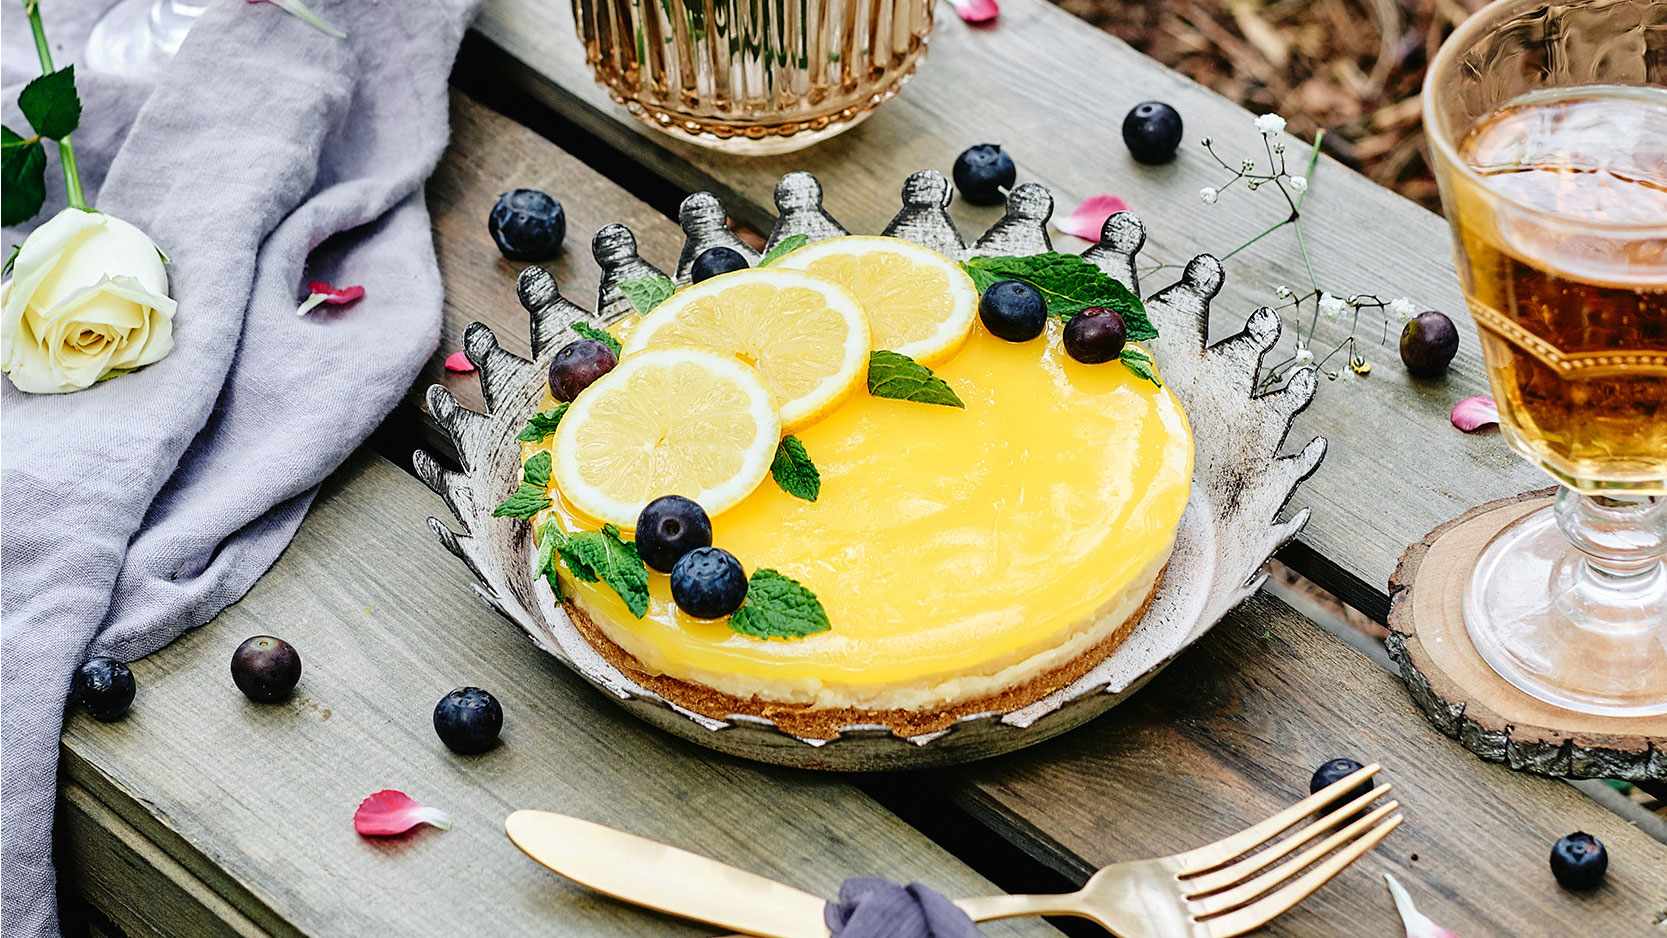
(807, 337)
(919, 303)
(673, 421)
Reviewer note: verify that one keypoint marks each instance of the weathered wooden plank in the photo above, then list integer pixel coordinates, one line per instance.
(385, 623)
(1054, 90)
(491, 154)
(1231, 732)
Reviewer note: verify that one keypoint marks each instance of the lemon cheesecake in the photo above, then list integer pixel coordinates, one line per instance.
(963, 559)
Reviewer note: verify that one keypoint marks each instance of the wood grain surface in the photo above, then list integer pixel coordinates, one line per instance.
(256, 801)
(1231, 732)
(1054, 90)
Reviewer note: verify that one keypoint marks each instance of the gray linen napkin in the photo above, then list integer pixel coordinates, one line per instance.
(266, 155)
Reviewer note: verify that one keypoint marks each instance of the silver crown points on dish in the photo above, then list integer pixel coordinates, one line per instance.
(1230, 528)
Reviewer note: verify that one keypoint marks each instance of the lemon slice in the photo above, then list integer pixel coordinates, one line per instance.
(673, 421)
(808, 338)
(919, 303)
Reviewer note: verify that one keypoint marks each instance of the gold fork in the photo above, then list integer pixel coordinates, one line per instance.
(1215, 891)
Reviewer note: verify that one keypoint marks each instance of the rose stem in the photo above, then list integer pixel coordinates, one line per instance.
(66, 149)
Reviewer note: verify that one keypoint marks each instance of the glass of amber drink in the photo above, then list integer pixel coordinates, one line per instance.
(1548, 124)
(753, 77)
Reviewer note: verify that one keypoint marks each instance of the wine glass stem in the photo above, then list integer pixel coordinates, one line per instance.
(1617, 580)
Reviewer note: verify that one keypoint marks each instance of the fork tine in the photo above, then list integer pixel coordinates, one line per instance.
(1237, 872)
(1263, 910)
(1209, 856)
(1250, 889)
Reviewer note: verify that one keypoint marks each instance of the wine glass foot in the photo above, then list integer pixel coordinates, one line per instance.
(138, 37)
(1565, 632)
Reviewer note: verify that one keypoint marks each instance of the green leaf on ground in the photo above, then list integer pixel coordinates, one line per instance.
(783, 248)
(645, 293)
(778, 607)
(901, 378)
(591, 332)
(51, 104)
(793, 470)
(1070, 285)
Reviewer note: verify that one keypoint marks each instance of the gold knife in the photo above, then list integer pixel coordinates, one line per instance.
(657, 876)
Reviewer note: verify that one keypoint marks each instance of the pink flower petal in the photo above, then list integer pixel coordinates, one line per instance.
(1418, 924)
(977, 12)
(1473, 413)
(1089, 219)
(457, 361)
(336, 296)
(390, 812)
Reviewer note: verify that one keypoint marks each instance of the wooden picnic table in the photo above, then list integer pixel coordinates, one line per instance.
(201, 813)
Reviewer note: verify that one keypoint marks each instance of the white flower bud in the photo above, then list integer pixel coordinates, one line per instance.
(1282, 291)
(1402, 309)
(1331, 307)
(1270, 124)
(1299, 183)
(1208, 195)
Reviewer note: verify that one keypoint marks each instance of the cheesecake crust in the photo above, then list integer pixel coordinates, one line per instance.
(813, 722)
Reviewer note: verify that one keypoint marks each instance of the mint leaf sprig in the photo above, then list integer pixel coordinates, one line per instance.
(595, 556)
(591, 332)
(53, 109)
(778, 606)
(783, 248)
(1070, 285)
(645, 293)
(901, 378)
(534, 494)
(539, 428)
(793, 470)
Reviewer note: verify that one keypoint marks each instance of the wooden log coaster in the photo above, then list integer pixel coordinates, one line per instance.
(1466, 699)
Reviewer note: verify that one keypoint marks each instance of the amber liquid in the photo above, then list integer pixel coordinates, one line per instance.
(756, 76)
(1571, 299)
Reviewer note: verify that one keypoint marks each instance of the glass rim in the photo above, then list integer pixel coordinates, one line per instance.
(1464, 37)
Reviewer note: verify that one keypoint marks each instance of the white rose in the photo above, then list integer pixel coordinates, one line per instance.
(88, 297)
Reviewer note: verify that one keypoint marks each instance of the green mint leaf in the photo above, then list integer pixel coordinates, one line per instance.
(548, 536)
(537, 470)
(591, 332)
(1140, 363)
(22, 178)
(1069, 283)
(527, 501)
(901, 378)
(793, 470)
(539, 428)
(783, 248)
(778, 607)
(645, 293)
(604, 555)
(51, 104)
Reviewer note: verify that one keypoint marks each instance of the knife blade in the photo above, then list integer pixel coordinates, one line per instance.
(641, 871)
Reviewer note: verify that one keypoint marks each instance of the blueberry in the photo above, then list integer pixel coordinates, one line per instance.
(982, 172)
(708, 583)
(527, 225)
(1579, 861)
(468, 719)
(1013, 310)
(1428, 344)
(1095, 335)
(714, 261)
(1331, 772)
(579, 363)
(266, 669)
(104, 686)
(1152, 131)
(669, 527)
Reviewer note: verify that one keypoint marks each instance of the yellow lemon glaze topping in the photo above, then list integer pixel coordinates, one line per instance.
(946, 543)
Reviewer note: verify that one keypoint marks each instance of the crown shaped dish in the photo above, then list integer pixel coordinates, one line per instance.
(1229, 530)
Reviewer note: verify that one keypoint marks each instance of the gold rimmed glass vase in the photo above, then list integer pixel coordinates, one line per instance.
(1548, 125)
(753, 76)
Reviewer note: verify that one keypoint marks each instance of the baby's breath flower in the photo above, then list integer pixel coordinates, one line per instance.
(1253, 185)
(1299, 183)
(1342, 374)
(1303, 355)
(1247, 165)
(1270, 124)
(1208, 195)
(1331, 307)
(1206, 141)
(1282, 291)
(1279, 148)
(1402, 309)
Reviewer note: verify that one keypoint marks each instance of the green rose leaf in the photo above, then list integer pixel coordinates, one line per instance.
(778, 607)
(1137, 361)
(591, 332)
(22, 177)
(793, 470)
(51, 104)
(645, 293)
(604, 555)
(783, 248)
(1070, 285)
(542, 425)
(901, 378)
